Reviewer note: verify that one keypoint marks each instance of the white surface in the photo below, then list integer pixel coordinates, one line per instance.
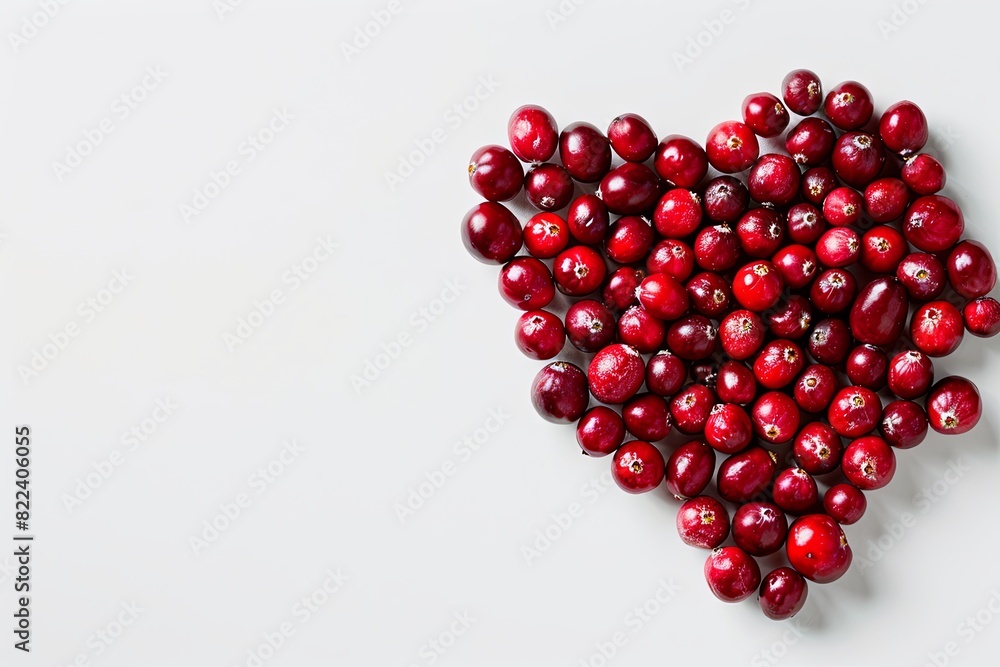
(334, 505)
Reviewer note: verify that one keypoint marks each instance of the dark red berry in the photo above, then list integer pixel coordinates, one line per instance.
(665, 374)
(579, 270)
(923, 275)
(600, 431)
(545, 235)
(848, 105)
(716, 248)
(760, 232)
(933, 223)
(526, 283)
(710, 294)
(588, 219)
(982, 317)
(742, 476)
(817, 548)
(616, 373)
(814, 389)
(811, 141)
(775, 417)
(681, 161)
(802, 91)
(795, 491)
(548, 187)
(559, 392)
(903, 128)
(911, 374)
(590, 326)
(858, 158)
(904, 424)
(533, 133)
(539, 334)
(735, 383)
(690, 408)
(971, 271)
(869, 463)
(817, 183)
(731, 147)
(886, 199)
(690, 469)
(495, 173)
(829, 342)
(638, 328)
(647, 417)
(774, 180)
(585, 152)
(818, 449)
(672, 257)
(632, 138)
(491, 233)
(854, 412)
(954, 406)
(782, 593)
(759, 528)
(619, 291)
(703, 522)
(630, 189)
(765, 114)
(637, 467)
(629, 239)
(728, 428)
(923, 174)
(937, 328)
(846, 503)
(867, 366)
(879, 313)
(732, 574)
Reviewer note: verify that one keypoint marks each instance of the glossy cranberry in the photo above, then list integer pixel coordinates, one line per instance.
(665, 373)
(903, 128)
(692, 337)
(843, 207)
(545, 235)
(495, 173)
(774, 180)
(765, 114)
(731, 147)
(647, 417)
(590, 326)
(782, 593)
(705, 371)
(548, 187)
(526, 283)
(814, 389)
(678, 213)
(795, 491)
(904, 424)
(817, 548)
(579, 270)
(725, 199)
(732, 574)
(849, 105)
(491, 233)
(882, 249)
(681, 161)
(869, 463)
(663, 297)
(630, 188)
(710, 294)
(728, 429)
(632, 138)
(982, 317)
(817, 449)
(672, 257)
(533, 133)
(830, 341)
(600, 431)
(637, 467)
(886, 199)
(588, 219)
(923, 174)
(559, 393)
(797, 265)
(854, 412)
(703, 522)
(778, 363)
(838, 247)
(539, 334)
(937, 328)
(691, 407)
(585, 152)
(954, 406)
(716, 248)
(735, 383)
(811, 141)
(619, 291)
(759, 528)
(741, 333)
(742, 476)
(775, 417)
(858, 158)
(879, 313)
(867, 366)
(845, 503)
(629, 239)
(933, 223)
(817, 183)
(802, 91)
(923, 275)
(616, 373)
(757, 286)
(760, 232)
(690, 469)
(971, 271)
(805, 224)
(911, 374)
(638, 328)
(791, 318)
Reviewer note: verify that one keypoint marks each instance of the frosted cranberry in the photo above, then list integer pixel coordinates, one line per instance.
(637, 467)
(690, 469)
(533, 133)
(833, 291)
(678, 213)
(904, 424)
(600, 431)
(757, 286)
(630, 188)
(710, 294)
(886, 199)
(817, 183)
(869, 463)
(526, 283)
(775, 417)
(692, 337)
(616, 373)
(759, 528)
(854, 411)
(903, 128)
(665, 373)
(672, 257)
(879, 313)
(933, 223)
(619, 291)
(491, 233)
(728, 428)
(954, 406)
(681, 161)
(811, 141)
(937, 328)
(703, 522)
(982, 317)
(797, 265)
(791, 318)
(867, 366)
(814, 389)
(817, 548)
(774, 180)
(735, 383)
(638, 328)
(691, 407)
(716, 248)
(590, 326)
(632, 137)
(732, 574)
(629, 239)
(923, 276)
(858, 158)
(802, 91)
(539, 334)
(817, 449)
(588, 219)
(495, 173)
(882, 249)
(845, 503)
(829, 342)
(725, 199)
(795, 491)
(579, 270)
(849, 105)
(548, 187)
(838, 247)
(843, 207)
(585, 152)
(778, 363)
(559, 393)
(805, 224)
(731, 147)
(765, 114)
(971, 271)
(923, 174)
(545, 235)
(647, 417)
(662, 296)
(782, 593)
(760, 232)
(742, 476)
(911, 374)
(742, 333)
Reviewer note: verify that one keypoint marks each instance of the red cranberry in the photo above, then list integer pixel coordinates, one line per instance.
(829, 342)
(629, 239)
(662, 296)
(741, 333)
(886, 199)
(705, 371)
(732, 574)
(759, 528)
(616, 373)
(681, 161)
(765, 114)
(716, 248)
(848, 105)
(691, 407)
(757, 286)
(911, 374)
(778, 363)
(971, 271)
(637, 467)
(846, 503)
(954, 406)
(545, 235)
(805, 224)
(982, 317)
(937, 328)
(923, 276)
(867, 366)
(728, 428)
(775, 417)
(630, 188)
(585, 152)
(710, 294)
(690, 469)
(933, 223)
(815, 388)
(760, 232)
(791, 318)
(782, 593)
(533, 133)
(600, 431)
(923, 174)
(588, 219)
(495, 173)
(548, 187)
(774, 180)
(811, 141)
(796, 264)
(559, 393)
(579, 270)
(802, 91)
(735, 383)
(589, 325)
(692, 337)
(539, 334)
(742, 476)
(638, 328)
(904, 424)
(731, 147)
(858, 158)
(882, 249)
(632, 137)
(854, 411)
(725, 199)
(619, 291)
(526, 283)
(818, 449)
(903, 128)
(665, 374)
(843, 207)
(647, 417)
(869, 463)
(795, 491)
(817, 183)
(672, 257)
(838, 247)
(491, 233)
(677, 214)
(879, 313)
(703, 522)
(817, 548)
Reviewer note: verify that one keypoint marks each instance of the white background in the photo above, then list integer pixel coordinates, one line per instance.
(335, 505)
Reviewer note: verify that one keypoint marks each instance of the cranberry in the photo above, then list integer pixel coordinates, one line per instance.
(588, 219)
(854, 411)
(869, 463)
(817, 183)
(760, 232)
(802, 91)
(971, 271)
(843, 207)
(741, 333)
(903, 128)
(703, 522)
(886, 199)
(782, 593)
(526, 283)
(662, 296)
(846, 503)
(692, 337)
(585, 152)
(630, 188)
(731, 147)
(829, 342)
(672, 257)
(590, 326)
(765, 114)
(759, 528)
(858, 158)
(805, 224)
(619, 291)
(867, 366)
(879, 313)
(933, 223)
(616, 373)
(838, 247)
(728, 428)
(677, 214)
(681, 161)
(637, 467)
(814, 389)
(796, 264)
(629, 239)
(778, 363)
(982, 317)
(795, 491)
(904, 424)
(539, 334)
(735, 383)
(495, 173)
(559, 393)
(817, 449)
(817, 548)
(811, 141)
(690, 469)
(923, 174)
(774, 180)
(545, 235)
(937, 328)
(923, 276)
(600, 431)
(533, 133)
(882, 249)
(732, 574)
(579, 270)
(757, 286)
(632, 137)
(491, 233)
(548, 187)
(665, 373)
(911, 374)
(791, 318)
(710, 294)
(647, 417)
(954, 406)
(705, 372)
(716, 248)
(691, 407)
(744, 475)
(775, 417)
(725, 199)
(848, 105)
(638, 328)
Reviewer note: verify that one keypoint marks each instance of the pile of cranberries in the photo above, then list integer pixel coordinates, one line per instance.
(781, 312)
